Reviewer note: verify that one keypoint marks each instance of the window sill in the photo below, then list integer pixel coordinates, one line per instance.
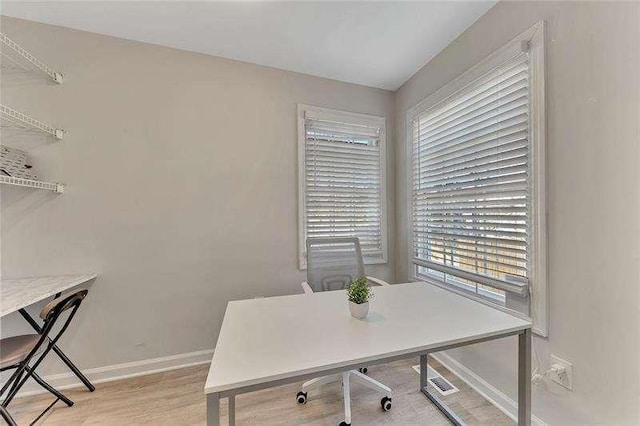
(482, 300)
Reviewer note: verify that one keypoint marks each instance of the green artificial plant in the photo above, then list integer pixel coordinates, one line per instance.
(359, 291)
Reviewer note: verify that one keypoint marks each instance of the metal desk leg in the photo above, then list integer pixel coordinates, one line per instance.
(440, 405)
(59, 352)
(423, 370)
(524, 378)
(213, 409)
(444, 409)
(232, 410)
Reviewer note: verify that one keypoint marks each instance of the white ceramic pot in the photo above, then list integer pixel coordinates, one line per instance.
(359, 310)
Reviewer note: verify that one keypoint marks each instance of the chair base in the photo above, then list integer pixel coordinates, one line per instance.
(346, 385)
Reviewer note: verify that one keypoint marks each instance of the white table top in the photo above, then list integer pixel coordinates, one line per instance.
(263, 340)
(16, 294)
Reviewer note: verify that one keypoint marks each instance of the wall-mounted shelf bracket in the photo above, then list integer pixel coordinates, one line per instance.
(31, 59)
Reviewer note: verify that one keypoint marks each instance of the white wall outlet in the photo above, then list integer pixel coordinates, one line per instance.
(561, 372)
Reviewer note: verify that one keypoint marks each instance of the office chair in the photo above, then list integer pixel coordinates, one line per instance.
(331, 265)
(18, 351)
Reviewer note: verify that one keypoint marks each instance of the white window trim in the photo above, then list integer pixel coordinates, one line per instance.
(350, 117)
(534, 40)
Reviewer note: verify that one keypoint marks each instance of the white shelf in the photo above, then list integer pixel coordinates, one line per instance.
(23, 55)
(24, 121)
(36, 184)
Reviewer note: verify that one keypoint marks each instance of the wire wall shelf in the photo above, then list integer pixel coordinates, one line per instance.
(17, 58)
(24, 121)
(23, 59)
(36, 184)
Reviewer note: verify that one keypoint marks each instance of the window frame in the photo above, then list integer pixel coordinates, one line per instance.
(533, 39)
(346, 117)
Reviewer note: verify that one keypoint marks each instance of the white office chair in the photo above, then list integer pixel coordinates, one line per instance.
(331, 265)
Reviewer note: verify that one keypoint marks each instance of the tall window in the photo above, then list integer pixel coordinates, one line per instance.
(476, 174)
(342, 179)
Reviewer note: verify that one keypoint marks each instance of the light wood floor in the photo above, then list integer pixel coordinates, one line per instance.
(176, 398)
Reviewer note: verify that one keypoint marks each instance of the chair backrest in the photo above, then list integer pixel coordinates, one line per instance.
(62, 303)
(333, 262)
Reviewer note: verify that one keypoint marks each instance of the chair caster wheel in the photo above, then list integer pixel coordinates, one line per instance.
(363, 370)
(345, 424)
(301, 397)
(386, 403)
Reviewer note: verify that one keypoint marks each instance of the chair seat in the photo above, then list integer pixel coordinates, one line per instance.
(15, 349)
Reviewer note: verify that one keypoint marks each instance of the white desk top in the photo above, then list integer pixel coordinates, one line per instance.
(263, 340)
(16, 294)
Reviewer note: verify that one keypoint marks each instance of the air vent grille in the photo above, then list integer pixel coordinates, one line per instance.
(442, 385)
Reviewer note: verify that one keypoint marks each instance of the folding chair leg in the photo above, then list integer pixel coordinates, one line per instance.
(7, 417)
(50, 388)
(35, 365)
(16, 378)
(58, 351)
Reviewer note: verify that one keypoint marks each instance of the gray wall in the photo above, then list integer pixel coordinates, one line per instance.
(593, 116)
(182, 187)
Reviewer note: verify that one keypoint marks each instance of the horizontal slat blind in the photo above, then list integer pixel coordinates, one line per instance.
(471, 180)
(343, 182)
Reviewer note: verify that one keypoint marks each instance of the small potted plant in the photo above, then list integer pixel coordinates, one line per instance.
(359, 294)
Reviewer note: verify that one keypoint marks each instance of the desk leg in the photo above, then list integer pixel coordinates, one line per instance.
(59, 352)
(213, 409)
(440, 405)
(232, 410)
(524, 378)
(423, 370)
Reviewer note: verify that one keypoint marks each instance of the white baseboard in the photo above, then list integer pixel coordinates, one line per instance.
(501, 401)
(120, 371)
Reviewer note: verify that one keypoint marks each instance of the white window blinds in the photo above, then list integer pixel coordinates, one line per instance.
(471, 181)
(343, 180)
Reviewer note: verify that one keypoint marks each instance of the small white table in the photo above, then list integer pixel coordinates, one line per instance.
(17, 294)
(279, 340)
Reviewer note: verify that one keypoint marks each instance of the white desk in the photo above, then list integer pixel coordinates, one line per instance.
(278, 340)
(17, 294)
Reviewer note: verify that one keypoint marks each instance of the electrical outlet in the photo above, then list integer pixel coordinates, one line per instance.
(561, 372)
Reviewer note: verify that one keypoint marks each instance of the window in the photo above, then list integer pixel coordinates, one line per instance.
(342, 179)
(477, 205)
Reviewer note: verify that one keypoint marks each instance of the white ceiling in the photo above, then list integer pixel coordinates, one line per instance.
(379, 44)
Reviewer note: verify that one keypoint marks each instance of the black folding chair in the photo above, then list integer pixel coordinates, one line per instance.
(18, 351)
